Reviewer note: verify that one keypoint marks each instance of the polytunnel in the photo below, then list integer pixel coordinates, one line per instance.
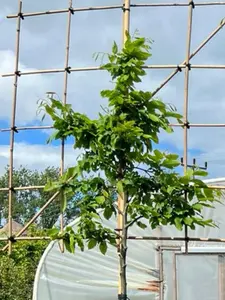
(156, 269)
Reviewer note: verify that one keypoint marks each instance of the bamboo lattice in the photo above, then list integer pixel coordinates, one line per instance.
(126, 7)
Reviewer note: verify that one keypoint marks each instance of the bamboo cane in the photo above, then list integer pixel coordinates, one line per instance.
(185, 116)
(13, 118)
(67, 71)
(72, 9)
(98, 68)
(177, 4)
(122, 199)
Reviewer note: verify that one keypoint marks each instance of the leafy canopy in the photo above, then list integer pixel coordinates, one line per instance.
(118, 156)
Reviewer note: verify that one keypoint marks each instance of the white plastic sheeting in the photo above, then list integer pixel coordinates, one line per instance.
(204, 269)
(91, 275)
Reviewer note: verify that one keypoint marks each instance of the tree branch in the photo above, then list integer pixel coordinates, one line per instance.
(132, 222)
(144, 170)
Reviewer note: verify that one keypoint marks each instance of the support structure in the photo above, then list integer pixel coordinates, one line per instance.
(126, 7)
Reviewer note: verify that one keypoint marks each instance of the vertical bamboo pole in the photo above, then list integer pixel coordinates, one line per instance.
(126, 19)
(121, 199)
(67, 71)
(186, 86)
(13, 118)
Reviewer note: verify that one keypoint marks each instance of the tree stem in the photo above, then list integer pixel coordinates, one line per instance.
(123, 250)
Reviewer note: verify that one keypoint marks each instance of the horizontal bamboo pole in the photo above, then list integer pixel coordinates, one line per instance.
(27, 238)
(51, 127)
(27, 128)
(39, 187)
(207, 66)
(22, 188)
(198, 125)
(164, 66)
(177, 4)
(136, 238)
(167, 238)
(84, 69)
(216, 187)
(49, 71)
(66, 10)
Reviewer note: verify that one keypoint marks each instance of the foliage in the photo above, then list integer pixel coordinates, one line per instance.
(27, 202)
(119, 158)
(18, 270)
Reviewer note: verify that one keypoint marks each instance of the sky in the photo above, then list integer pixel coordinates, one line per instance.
(43, 47)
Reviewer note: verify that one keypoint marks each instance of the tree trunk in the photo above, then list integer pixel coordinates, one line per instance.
(123, 250)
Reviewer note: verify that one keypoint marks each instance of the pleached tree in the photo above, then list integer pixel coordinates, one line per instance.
(120, 171)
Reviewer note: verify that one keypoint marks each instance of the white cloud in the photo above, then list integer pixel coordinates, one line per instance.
(37, 157)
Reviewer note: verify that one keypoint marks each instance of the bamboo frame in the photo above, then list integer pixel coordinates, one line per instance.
(93, 8)
(212, 34)
(126, 8)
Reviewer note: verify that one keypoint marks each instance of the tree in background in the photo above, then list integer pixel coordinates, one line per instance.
(18, 270)
(27, 202)
(118, 158)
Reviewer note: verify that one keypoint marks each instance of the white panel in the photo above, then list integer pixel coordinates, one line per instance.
(197, 277)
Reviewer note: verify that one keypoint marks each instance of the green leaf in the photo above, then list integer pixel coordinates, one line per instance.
(173, 115)
(172, 156)
(52, 137)
(67, 245)
(188, 221)
(103, 247)
(63, 200)
(80, 243)
(50, 186)
(119, 186)
(158, 154)
(108, 212)
(71, 172)
(115, 48)
(189, 173)
(53, 232)
(141, 225)
(92, 243)
(209, 193)
(170, 189)
(200, 173)
(72, 243)
(178, 223)
(100, 199)
(154, 118)
(170, 164)
(105, 193)
(197, 206)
